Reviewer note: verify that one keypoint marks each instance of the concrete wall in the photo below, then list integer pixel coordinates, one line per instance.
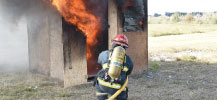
(138, 50)
(112, 21)
(38, 38)
(44, 27)
(56, 46)
(75, 69)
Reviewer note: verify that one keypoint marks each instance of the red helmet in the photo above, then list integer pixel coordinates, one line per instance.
(121, 39)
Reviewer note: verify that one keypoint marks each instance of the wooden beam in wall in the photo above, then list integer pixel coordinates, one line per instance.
(112, 20)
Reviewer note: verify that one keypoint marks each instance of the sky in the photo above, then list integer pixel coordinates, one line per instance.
(162, 6)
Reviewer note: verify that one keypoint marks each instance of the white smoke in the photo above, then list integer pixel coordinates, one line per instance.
(13, 35)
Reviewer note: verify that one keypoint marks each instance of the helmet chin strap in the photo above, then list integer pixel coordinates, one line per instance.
(115, 45)
(123, 46)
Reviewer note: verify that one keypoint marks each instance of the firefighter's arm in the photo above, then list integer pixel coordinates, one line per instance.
(103, 57)
(130, 65)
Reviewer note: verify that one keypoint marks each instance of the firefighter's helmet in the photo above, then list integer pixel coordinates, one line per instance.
(121, 39)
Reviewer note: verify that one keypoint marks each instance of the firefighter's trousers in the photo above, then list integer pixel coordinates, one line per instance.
(102, 92)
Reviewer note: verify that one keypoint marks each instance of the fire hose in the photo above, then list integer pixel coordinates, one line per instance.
(119, 91)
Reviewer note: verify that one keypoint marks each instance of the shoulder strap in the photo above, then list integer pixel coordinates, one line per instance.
(124, 61)
(110, 55)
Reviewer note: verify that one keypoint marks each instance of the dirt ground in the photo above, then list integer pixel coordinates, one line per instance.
(172, 81)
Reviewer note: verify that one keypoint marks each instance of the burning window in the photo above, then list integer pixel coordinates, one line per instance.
(132, 23)
(83, 26)
(133, 15)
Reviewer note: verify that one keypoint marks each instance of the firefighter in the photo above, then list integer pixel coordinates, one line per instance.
(105, 84)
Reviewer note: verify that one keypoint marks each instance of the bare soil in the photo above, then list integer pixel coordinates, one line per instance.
(172, 81)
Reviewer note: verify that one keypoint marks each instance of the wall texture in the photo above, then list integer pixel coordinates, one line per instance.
(44, 27)
(75, 69)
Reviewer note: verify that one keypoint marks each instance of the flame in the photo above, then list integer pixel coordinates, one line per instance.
(141, 23)
(75, 12)
(127, 4)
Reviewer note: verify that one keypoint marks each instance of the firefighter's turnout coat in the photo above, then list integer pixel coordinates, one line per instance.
(104, 84)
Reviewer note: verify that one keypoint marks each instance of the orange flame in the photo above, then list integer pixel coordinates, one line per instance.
(141, 23)
(75, 12)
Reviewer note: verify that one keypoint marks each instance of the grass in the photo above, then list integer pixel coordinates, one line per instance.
(29, 89)
(64, 95)
(187, 58)
(166, 33)
(156, 30)
(27, 86)
(154, 66)
(186, 47)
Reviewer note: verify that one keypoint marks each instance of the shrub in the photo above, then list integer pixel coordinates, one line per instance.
(206, 18)
(189, 18)
(210, 18)
(175, 18)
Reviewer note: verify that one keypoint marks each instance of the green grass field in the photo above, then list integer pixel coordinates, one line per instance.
(187, 42)
(156, 30)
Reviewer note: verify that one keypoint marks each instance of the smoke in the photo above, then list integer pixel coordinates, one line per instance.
(13, 35)
(97, 7)
(13, 10)
(13, 46)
